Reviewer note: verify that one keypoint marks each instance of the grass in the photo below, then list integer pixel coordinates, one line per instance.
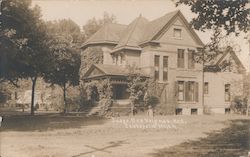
(47, 122)
(232, 141)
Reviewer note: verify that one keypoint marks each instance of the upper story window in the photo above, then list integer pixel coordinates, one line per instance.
(180, 58)
(177, 32)
(191, 62)
(205, 87)
(118, 59)
(227, 92)
(165, 68)
(157, 66)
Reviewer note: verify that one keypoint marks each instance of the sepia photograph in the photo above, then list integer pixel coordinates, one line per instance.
(124, 78)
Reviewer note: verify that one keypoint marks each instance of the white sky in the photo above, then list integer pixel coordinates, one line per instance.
(125, 11)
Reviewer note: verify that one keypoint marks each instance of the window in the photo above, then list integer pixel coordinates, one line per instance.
(191, 60)
(157, 66)
(227, 110)
(180, 60)
(194, 111)
(157, 61)
(177, 33)
(205, 87)
(165, 68)
(188, 91)
(227, 92)
(178, 111)
(180, 90)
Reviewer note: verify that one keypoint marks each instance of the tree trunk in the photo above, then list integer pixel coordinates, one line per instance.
(33, 96)
(64, 99)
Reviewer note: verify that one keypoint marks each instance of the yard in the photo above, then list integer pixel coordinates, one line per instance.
(54, 135)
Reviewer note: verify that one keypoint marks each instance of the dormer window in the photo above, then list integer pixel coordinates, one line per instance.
(177, 33)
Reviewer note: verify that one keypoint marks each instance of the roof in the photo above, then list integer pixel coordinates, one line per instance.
(156, 25)
(109, 33)
(133, 34)
(110, 70)
(138, 32)
(214, 65)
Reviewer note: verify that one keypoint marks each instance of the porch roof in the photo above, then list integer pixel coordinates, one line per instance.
(101, 70)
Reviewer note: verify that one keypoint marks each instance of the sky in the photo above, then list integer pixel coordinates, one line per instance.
(125, 11)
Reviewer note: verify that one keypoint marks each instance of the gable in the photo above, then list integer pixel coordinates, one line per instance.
(93, 71)
(229, 62)
(188, 36)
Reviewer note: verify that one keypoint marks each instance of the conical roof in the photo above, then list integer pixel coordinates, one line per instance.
(110, 32)
(133, 34)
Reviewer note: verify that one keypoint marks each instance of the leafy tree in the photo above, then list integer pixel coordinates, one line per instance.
(224, 17)
(66, 28)
(31, 59)
(94, 24)
(230, 15)
(66, 56)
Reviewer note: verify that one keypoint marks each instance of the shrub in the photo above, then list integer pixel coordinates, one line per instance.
(239, 104)
(152, 101)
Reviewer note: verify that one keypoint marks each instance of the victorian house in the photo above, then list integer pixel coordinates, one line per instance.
(162, 49)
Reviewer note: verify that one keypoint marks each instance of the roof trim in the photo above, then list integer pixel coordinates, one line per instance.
(159, 33)
(233, 54)
(99, 42)
(126, 48)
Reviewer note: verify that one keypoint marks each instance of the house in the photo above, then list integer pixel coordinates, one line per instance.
(223, 80)
(162, 49)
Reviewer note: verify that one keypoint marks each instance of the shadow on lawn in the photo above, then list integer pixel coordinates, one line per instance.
(47, 122)
(233, 141)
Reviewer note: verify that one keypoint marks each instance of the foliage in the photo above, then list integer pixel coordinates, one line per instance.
(93, 25)
(230, 15)
(30, 59)
(90, 56)
(66, 56)
(90, 89)
(67, 29)
(239, 104)
(137, 87)
(154, 88)
(220, 16)
(152, 101)
(103, 89)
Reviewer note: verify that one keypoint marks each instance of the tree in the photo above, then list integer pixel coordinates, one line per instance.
(66, 28)
(224, 17)
(32, 57)
(66, 55)
(231, 15)
(94, 24)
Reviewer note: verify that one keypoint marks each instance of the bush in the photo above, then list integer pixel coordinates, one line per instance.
(152, 101)
(239, 105)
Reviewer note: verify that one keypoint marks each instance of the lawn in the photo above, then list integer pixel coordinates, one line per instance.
(75, 136)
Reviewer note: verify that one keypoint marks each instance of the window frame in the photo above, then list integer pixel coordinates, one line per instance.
(179, 30)
(206, 88)
(191, 63)
(182, 83)
(165, 68)
(227, 90)
(180, 58)
(157, 67)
